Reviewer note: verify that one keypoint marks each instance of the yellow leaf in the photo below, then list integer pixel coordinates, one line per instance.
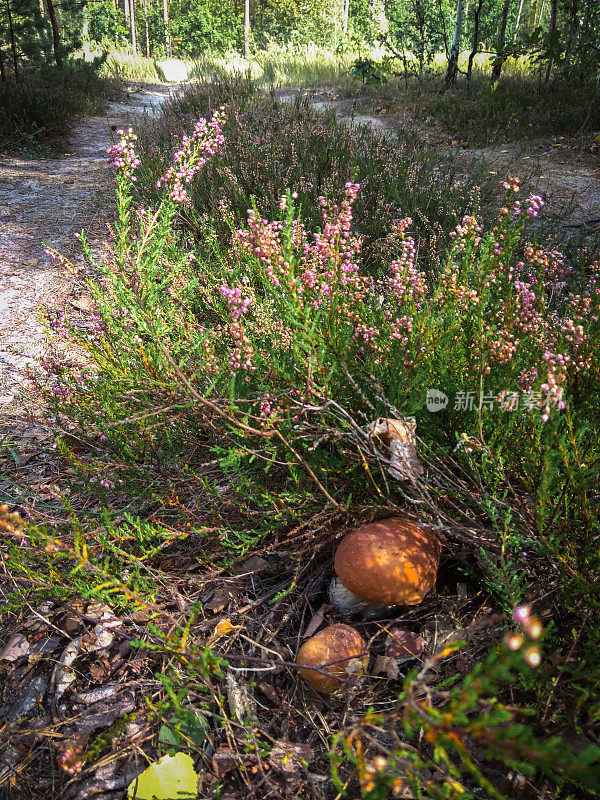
(169, 778)
(223, 627)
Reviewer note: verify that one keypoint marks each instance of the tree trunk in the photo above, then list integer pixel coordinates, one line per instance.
(553, 18)
(13, 45)
(55, 32)
(452, 70)
(132, 25)
(126, 10)
(345, 17)
(2, 69)
(497, 68)
(167, 27)
(420, 19)
(445, 33)
(146, 29)
(246, 28)
(518, 19)
(475, 43)
(573, 36)
(167, 24)
(378, 18)
(538, 22)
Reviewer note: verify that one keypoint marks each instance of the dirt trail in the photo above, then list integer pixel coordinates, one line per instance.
(567, 177)
(50, 200)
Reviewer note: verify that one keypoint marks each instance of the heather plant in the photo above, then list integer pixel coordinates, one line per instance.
(28, 119)
(283, 337)
(229, 377)
(455, 729)
(271, 146)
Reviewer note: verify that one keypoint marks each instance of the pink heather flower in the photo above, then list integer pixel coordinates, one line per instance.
(122, 155)
(193, 154)
(521, 614)
(535, 204)
(237, 304)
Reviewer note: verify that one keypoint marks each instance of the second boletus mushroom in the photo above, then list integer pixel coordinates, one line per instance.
(387, 563)
(337, 650)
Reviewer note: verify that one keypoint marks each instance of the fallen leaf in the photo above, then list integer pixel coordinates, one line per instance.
(63, 675)
(168, 778)
(28, 699)
(220, 600)
(83, 304)
(241, 703)
(97, 611)
(404, 462)
(253, 564)
(404, 645)
(385, 665)
(316, 621)
(224, 761)
(270, 693)
(31, 262)
(185, 731)
(289, 759)
(97, 695)
(400, 436)
(16, 648)
(222, 628)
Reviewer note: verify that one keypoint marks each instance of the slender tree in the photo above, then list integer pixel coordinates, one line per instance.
(167, 24)
(420, 24)
(246, 28)
(132, 25)
(13, 44)
(452, 69)
(475, 42)
(345, 16)
(146, 28)
(553, 21)
(497, 68)
(521, 2)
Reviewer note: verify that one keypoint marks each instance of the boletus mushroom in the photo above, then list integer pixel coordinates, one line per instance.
(385, 564)
(338, 650)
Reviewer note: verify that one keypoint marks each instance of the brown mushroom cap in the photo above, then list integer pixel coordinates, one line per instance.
(393, 561)
(337, 643)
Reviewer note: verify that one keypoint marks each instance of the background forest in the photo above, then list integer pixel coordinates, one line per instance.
(564, 34)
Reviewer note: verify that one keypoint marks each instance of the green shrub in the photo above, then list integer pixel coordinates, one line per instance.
(515, 109)
(28, 111)
(271, 146)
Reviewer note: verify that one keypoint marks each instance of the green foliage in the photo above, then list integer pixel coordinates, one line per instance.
(271, 147)
(170, 777)
(438, 757)
(515, 110)
(29, 121)
(367, 71)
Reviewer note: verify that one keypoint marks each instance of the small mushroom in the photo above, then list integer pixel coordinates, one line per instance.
(338, 650)
(387, 563)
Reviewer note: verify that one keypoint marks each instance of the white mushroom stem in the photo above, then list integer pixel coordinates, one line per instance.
(347, 603)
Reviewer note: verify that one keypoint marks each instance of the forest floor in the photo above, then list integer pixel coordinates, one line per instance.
(45, 203)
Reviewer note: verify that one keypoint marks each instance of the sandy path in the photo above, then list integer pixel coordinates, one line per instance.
(50, 200)
(568, 181)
